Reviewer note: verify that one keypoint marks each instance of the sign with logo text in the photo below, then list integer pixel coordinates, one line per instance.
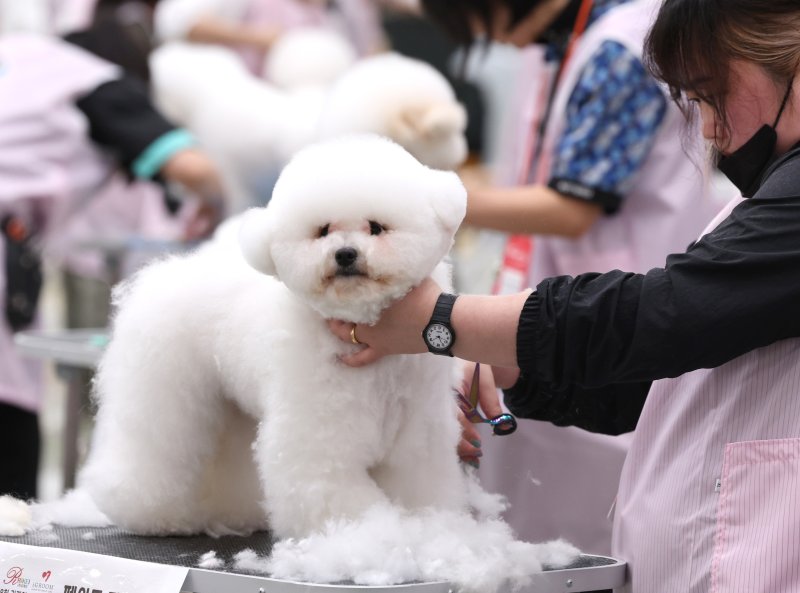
(31, 569)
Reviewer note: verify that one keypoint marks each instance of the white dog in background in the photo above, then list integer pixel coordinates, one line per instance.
(223, 406)
(308, 57)
(252, 127)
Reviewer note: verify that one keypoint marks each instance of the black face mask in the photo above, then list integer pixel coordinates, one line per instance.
(745, 166)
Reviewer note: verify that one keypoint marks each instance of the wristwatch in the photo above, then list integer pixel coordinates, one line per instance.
(439, 335)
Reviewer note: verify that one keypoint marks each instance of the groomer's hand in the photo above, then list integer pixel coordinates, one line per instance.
(469, 448)
(194, 170)
(398, 331)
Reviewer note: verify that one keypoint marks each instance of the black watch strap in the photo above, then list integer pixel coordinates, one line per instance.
(443, 308)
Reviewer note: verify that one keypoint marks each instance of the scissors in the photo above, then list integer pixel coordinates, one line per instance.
(501, 425)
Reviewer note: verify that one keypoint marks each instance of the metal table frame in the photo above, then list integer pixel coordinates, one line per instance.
(71, 351)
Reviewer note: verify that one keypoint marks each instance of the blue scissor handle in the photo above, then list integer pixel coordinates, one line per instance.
(503, 424)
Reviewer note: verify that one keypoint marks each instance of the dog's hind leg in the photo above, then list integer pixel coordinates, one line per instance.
(155, 435)
(232, 495)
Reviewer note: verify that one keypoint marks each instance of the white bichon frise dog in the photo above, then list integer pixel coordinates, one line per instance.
(223, 405)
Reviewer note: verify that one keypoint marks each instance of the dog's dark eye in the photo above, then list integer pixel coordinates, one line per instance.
(375, 228)
(323, 230)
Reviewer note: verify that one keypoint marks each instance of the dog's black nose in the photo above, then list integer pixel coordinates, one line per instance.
(346, 256)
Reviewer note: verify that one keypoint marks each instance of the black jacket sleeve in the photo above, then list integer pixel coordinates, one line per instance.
(613, 409)
(735, 290)
(122, 118)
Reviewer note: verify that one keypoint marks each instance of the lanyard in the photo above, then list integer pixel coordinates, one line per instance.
(535, 139)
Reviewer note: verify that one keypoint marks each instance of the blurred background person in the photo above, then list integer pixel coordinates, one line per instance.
(70, 121)
(32, 16)
(602, 178)
(251, 27)
(94, 248)
(119, 31)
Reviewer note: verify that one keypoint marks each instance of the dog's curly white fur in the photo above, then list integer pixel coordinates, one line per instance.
(223, 405)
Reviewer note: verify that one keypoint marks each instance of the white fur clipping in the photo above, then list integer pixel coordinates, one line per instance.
(392, 546)
(75, 509)
(210, 560)
(15, 516)
(389, 546)
(486, 505)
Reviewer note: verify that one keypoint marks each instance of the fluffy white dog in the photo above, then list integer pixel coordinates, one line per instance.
(223, 405)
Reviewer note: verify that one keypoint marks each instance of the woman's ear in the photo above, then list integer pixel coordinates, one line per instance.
(255, 234)
(448, 199)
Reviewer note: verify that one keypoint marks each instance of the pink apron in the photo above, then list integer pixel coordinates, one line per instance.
(561, 482)
(709, 499)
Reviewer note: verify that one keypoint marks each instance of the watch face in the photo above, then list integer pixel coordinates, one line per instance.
(438, 336)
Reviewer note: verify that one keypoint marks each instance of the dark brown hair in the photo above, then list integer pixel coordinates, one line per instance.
(692, 43)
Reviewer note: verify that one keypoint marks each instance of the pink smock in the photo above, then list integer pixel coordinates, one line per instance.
(561, 482)
(709, 499)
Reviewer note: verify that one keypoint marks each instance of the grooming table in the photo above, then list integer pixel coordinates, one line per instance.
(70, 351)
(588, 573)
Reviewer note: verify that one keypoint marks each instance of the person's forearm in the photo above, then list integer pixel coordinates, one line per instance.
(194, 170)
(214, 30)
(486, 328)
(530, 209)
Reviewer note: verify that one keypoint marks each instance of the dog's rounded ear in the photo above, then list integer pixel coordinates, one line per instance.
(254, 239)
(449, 200)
